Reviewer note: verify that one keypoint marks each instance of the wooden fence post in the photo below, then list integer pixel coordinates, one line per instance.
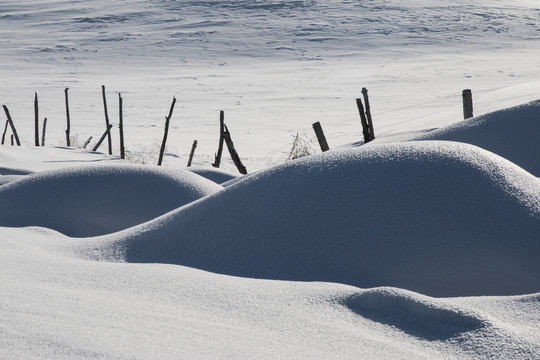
(121, 126)
(109, 138)
(102, 138)
(68, 120)
(320, 136)
(217, 160)
(43, 132)
(368, 114)
(4, 133)
(193, 147)
(88, 142)
(363, 119)
(36, 120)
(232, 151)
(467, 104)
(10, 121)
(167, 120)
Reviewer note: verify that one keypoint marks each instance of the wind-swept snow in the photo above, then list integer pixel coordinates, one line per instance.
(505, 132)
(89, 201)
(440, 218)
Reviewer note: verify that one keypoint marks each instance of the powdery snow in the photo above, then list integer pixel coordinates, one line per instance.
(342, 255)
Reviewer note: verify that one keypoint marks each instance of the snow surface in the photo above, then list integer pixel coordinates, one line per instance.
(422, 244)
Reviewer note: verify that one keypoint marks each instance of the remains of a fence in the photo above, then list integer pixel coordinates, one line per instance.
(109, 137)
(10, 121)
(363, 119)
(88, 142)
(121, 126)
(107, 132)
(467, 104)
(368, 114)
(166, 132)
(193, 147)
(320, 136)
(43, 132)
(4, 133)
(68, 120)
(36, 120)
(225, 136)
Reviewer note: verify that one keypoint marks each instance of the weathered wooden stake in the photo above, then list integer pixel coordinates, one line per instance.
(320, 136)
(217, 160)
(363, 119)
(368, 114)
(109, 137)
(4, 133)
(167, 120)
(68, 119)
(12, 143)
(10, 121)
(36, 120)
(107, 132)
(121, 126)
(88, 142)
(43, 132)
(467, 104)
(193, 147)
(232, 151)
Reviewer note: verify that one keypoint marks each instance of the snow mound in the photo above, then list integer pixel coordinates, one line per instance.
(89, 201)
(511, 133)
(439, 218)
(420, 316)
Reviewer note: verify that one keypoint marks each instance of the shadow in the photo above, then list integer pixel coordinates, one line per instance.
(417, 315)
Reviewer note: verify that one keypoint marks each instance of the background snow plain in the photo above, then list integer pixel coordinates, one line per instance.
(422, 244)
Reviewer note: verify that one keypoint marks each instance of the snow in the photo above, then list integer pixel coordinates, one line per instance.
(421, 244)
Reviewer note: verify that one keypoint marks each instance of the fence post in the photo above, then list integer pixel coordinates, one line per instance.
(4, 133)
(43, 132)
(68, 120)
(232, 151)
(363, 119)
(107, 132)
(217, 160)
(36, 120)
(193, 147)
(368, 114)
(320, 136)
(467, 104)
(121, 126)
(10, 121)
(109, 138)
(167, 120)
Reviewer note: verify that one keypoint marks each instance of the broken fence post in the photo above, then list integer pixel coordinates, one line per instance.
(232, 151)
(363, 119)
(43, 132)
(109, 138)
(36, 120)
(10, 121)
(68, 119)
(217, 159)
(467, 104)
(4, 133)
(87, 142)
(368, 114)
(102, 138)
(121, 126)
(193, 147)
(167, 120)
(320, 136)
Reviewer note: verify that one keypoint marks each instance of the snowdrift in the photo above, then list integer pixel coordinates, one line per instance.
(439, 218)
(505, 132)
(97, 200)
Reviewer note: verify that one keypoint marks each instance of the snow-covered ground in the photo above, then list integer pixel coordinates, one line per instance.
(421, 244)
